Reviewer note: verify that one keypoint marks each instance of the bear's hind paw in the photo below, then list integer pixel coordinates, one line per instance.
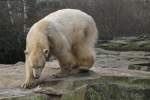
(59, 75)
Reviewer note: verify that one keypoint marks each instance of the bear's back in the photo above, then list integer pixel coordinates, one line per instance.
(66, 24)
(66, 15)
(69, 20)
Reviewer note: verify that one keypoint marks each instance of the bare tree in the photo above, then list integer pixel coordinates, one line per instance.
(10, 12)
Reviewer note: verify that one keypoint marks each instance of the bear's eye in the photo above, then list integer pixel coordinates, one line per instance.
(36, 67)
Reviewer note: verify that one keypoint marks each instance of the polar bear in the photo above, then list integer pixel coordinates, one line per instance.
(67, 34)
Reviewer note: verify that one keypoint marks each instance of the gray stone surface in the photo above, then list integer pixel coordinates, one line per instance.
(135, 60)
(98, 84)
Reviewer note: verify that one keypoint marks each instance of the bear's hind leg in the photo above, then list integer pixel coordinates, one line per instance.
(67, 64)
(84, 56)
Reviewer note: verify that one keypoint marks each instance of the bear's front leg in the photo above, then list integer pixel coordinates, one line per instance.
(29, 82)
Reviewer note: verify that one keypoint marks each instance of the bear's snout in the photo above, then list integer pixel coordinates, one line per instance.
(37, 77)
(37, 73)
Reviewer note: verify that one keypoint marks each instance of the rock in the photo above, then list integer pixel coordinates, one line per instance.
(136, 43)
(116, 91)
(19, 63)
(18, 94)
(78, 94)
(121, 59)
(140, 66)
(98, 84)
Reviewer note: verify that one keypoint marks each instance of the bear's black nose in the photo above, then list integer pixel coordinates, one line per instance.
(36, 76)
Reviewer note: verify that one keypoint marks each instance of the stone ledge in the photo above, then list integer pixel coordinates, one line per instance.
(98, 84)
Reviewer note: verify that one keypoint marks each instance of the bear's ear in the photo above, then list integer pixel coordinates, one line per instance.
(46, 52)
(25, 52)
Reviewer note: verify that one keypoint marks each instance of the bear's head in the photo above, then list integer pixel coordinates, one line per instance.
(35, 60)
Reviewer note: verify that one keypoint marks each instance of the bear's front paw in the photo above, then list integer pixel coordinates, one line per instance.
(29, 84)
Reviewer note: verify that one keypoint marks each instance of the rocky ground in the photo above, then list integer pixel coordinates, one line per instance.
(109, 79)
(134, 60)
(135, 43)
(126, 52)
(116, 75)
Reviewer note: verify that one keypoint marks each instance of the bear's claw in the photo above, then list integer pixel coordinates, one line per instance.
(29, 84)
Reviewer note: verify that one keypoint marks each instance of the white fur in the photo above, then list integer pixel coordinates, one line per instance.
(68, 34)
(69, 25)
